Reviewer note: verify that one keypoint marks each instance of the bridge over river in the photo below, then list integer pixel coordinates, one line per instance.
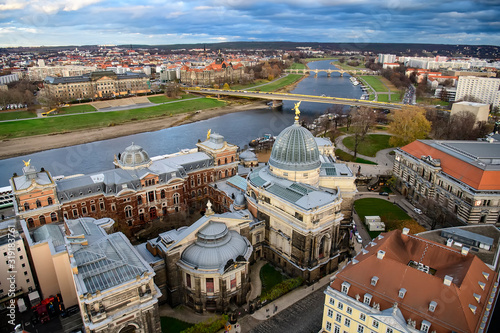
(330, 71)
(277, 98)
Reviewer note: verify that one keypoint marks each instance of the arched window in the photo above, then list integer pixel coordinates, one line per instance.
(232, 158)
(220, 174)
(53, 217)
(31, 223)
(38, 204)
(26, 206)
(176, 198)
(128, 211)
(49, 201)
(162, 194)
(199, 192)
(193, 194)
(225, 173)
(139, 200)
(225, 161)
(321, 249)
(218, 163)
(205, 190)
(41, 218)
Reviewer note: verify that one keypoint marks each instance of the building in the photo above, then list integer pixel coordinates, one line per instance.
(206, 265)
(480, 111)
(460, 176)
(482, 89)
(401, 283)
(15, 263)
(298, 197)
(105, 84)
(114, 284)
(386, 58)
(137, 191)
(6, 79)
(41, 72)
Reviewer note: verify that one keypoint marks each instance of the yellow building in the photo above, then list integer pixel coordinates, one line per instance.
(402, 283)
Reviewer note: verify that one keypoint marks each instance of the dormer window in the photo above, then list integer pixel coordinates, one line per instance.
(482, 284)
(477, 297)
(432, 306)
(425, 326)
(402, 293)
(374, 281)
(345, 287)
(367, 299)
(486, 275)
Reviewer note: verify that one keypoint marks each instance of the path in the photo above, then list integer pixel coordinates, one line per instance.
(373, 90)
(255, 283)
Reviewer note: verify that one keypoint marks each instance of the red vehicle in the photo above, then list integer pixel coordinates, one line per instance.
(43, 314)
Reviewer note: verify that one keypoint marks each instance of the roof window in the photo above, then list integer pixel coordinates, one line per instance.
(402, 293)
(374, 281)
(432, 306)
(345, 287)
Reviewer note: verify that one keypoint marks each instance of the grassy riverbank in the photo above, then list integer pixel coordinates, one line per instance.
(51, 125)
(279, 84)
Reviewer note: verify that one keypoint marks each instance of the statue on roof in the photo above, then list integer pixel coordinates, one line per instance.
(208, 133)
(297, 111)
(27, 163)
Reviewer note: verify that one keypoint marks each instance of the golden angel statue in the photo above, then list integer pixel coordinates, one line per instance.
(208, 133)
(27, 163)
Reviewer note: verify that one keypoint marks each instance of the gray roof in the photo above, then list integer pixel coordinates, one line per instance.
(216, 141)
(107, 261)
(24, 181)
(302, 195)
(295, 149)
(467, 234)
(215, 246)
(248, 155)
(323, 141)
(484, 155)
(87, 77)
(329, 169)
(49, 232)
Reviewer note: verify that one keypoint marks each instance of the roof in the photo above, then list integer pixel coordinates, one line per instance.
(475, 163)
(394, 272)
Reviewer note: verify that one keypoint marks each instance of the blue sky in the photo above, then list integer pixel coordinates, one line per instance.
(79, 22)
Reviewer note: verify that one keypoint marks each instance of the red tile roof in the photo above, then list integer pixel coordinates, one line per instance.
(452, 311)
(469, 174)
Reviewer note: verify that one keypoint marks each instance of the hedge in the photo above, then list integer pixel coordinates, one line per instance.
(212, 325)
(282, 288)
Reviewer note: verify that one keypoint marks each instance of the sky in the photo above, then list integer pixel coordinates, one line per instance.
(157, 22)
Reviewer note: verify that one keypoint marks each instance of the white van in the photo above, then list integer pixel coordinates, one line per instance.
(20, 305)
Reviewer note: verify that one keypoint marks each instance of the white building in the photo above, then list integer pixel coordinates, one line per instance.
(485, 90)
(481, 111)
(5, 79)
(383, 58)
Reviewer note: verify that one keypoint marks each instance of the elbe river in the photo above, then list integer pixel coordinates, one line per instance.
(237, 128)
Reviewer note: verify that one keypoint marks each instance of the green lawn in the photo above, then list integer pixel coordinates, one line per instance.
(283, 82)
(162, 98)
(269, 277)
(349, 158)
(249, 85)
(105, 119)
(77, 109)
(375, 82)
(173, 325)
(297, 65)
(11, 115)
(432, 101)
(370, 145)
(389, 213)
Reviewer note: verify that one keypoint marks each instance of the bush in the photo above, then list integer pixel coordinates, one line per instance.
(212, 325)
(282, 288)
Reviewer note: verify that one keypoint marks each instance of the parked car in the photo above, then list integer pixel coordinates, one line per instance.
(385, 194)
(70, 311)
(416, 210)
(359, 239)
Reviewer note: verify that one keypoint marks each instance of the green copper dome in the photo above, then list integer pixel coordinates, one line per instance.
(295, 149)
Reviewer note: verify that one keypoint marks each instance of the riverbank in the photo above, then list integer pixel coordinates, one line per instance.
(32, 144)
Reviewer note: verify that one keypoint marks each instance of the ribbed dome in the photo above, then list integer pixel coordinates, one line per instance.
(134, 156)
(248, 155)
(295, 149)
(214, 246)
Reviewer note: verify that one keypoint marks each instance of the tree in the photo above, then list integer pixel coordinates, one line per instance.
(362, 119)
(408, 125)
(226, 86)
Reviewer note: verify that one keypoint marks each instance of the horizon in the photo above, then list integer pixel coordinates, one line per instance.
(31, 23)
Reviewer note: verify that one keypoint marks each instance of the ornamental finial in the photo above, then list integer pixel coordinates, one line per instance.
(208, 133)
(27, 163)
(297, 111)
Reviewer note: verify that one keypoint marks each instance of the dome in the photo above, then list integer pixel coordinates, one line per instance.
(240, 202)
(215, 246)
(248, 155)
(295, 149)
(134, 156)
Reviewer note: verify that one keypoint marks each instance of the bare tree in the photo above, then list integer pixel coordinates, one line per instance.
(362, 120)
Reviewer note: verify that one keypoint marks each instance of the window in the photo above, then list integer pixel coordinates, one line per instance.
(151, 196)
(360, 328)
(328, 326)
(340, 306)
(41, 218)
(38, 204)
(332, 301)
(26, 206)
(347, 322)
(362, 316)
(375, 324)
(367, 299)
(188, 280)
(210, 285)
(139, 200)
(425, 326)
(176, 198)
(345, 287)
(49, 201)
(84, 210)
(128, 211)
(101, 206)
(233, 281)
(330, 313)
(349, 310)
(336, 329)
(374, 281)
(92, 208)
(162, 194)
(31, 223)
(389, 330)
(338, 318)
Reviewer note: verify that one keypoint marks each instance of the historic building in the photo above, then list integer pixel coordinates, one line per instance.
(114, 285)
(300, 202)
(105, 84)
(461, 176)
(218, 72)
(138, 190)
(206, 265)
(402, 283)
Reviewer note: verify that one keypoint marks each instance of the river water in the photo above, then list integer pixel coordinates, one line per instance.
(238, 128)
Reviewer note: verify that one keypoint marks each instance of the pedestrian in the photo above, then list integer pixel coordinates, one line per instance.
(275, 308)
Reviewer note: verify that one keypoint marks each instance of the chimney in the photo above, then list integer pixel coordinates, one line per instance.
(449, 242)
(406, 231)
(380, 254)
(465, 250)
(447, 280)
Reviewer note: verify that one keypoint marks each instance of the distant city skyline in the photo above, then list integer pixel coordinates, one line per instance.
(154, 22)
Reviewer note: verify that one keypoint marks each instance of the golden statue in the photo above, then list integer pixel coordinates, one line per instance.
(27, 164)
(297, 111)
(208, 133)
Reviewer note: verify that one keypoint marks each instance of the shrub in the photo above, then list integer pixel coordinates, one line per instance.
(212, 325)
(282, 288)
